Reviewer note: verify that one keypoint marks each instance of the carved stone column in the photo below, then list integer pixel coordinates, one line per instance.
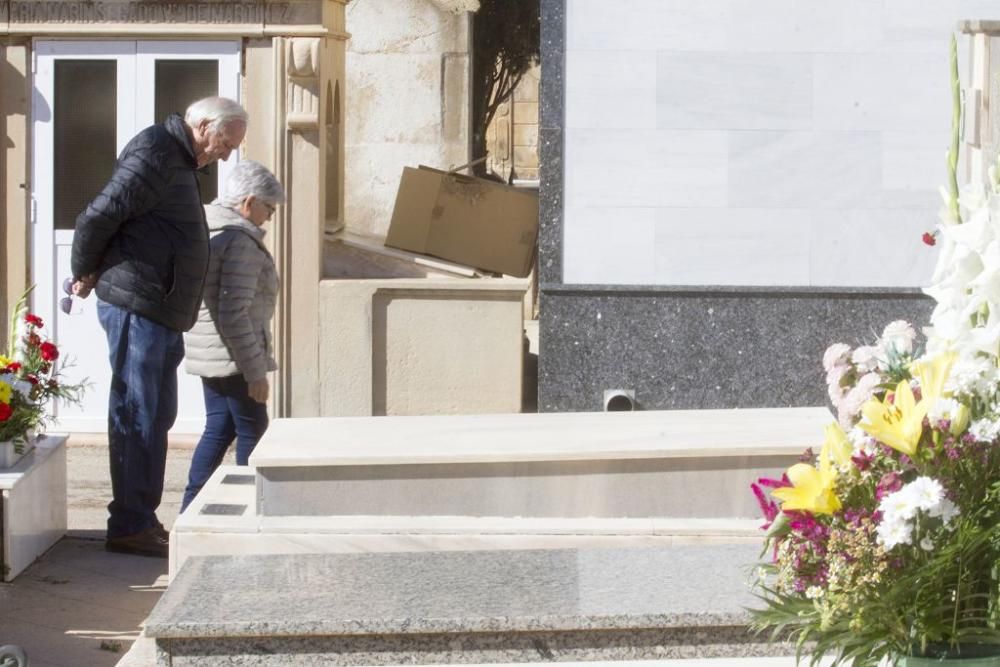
(298, 241)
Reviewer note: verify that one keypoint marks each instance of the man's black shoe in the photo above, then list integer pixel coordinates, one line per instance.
(149, 542)
(162, 532)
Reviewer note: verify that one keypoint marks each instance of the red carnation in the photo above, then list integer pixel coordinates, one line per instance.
(33, 320)
(13, 367)
(32, 379)
(929, 238)
(33, 340)
(5, 412)
(48, 351)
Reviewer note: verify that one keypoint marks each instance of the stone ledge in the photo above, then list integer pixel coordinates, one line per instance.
(457, 592)
(350, 441)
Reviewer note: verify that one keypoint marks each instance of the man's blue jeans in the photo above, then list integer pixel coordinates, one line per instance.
(229, 413)
(142, 407)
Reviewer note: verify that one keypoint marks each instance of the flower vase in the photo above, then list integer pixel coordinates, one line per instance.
(11, 452)
(972, 655)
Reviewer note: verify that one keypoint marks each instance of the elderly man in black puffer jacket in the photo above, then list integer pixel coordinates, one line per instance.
(142, 244)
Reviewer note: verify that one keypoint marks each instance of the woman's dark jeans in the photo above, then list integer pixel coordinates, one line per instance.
(229, 413)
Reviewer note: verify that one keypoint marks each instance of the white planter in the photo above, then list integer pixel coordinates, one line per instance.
(9, 454)
(34, 504)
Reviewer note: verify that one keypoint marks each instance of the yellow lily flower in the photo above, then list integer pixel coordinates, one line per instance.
(811, 489)
(960, 420)
(898, 423)
(932, 376)
(837, 446)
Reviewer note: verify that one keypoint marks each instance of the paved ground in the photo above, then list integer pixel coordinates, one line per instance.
(80, 606)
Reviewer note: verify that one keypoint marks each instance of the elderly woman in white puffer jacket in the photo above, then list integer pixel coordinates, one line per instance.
(230, 344)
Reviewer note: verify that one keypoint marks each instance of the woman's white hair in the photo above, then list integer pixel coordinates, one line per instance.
(251, 178)
(218, 111)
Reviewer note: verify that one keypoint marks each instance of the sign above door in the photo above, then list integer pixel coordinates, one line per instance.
(19, 16)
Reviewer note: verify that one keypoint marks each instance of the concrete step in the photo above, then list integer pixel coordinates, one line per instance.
(678, 464)
(684, 601)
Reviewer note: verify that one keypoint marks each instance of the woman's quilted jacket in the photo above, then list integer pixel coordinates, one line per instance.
(232, 335)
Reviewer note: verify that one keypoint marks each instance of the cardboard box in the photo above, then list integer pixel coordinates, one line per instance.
(464, 219)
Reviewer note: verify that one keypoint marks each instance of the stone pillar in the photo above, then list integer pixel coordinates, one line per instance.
(298, 238)
(14, 213)
(309, 155)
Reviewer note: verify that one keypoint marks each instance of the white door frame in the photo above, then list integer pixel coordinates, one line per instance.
(135, 109)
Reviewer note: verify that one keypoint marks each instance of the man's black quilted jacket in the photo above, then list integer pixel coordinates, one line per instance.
(145, 233)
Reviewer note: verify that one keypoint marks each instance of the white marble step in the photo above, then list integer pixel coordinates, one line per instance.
(686, 464)
(222, 521)
(506, 438)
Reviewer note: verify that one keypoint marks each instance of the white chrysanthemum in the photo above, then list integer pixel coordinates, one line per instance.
(891, 533)
(927, 544)
(925, 493)
(985, 430)
(899, 505)
(973, 376)
(943, 408)
(946, 509)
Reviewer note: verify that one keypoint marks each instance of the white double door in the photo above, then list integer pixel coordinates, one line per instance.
(90, 98)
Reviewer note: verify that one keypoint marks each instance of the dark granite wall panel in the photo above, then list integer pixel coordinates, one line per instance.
(552, 107)
(703, 347)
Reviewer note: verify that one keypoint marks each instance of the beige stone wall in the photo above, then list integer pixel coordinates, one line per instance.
(407, 77)
(420, 346)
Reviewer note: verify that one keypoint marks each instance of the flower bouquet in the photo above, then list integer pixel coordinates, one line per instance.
(29, 376)
(886, 545)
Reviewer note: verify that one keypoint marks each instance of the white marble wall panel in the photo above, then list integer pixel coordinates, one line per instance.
(858, 248)
(734, 91)
(883, 91)
(611, 89)
(913, 167)
(699, 246)
(655, 25)
(616, 242)
(629, 168)
(812, 170)
(804, 26)
(832, 115)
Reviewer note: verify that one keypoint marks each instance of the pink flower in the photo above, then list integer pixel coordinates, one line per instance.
(890, 483)
(834, 382)
(866, 358)
(835, 355)
(860, 394)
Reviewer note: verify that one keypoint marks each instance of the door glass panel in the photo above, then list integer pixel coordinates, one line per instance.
(84, 126)
(179, 83)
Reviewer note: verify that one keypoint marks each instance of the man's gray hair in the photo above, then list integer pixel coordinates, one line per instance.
(218, 111)
(251, 178)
